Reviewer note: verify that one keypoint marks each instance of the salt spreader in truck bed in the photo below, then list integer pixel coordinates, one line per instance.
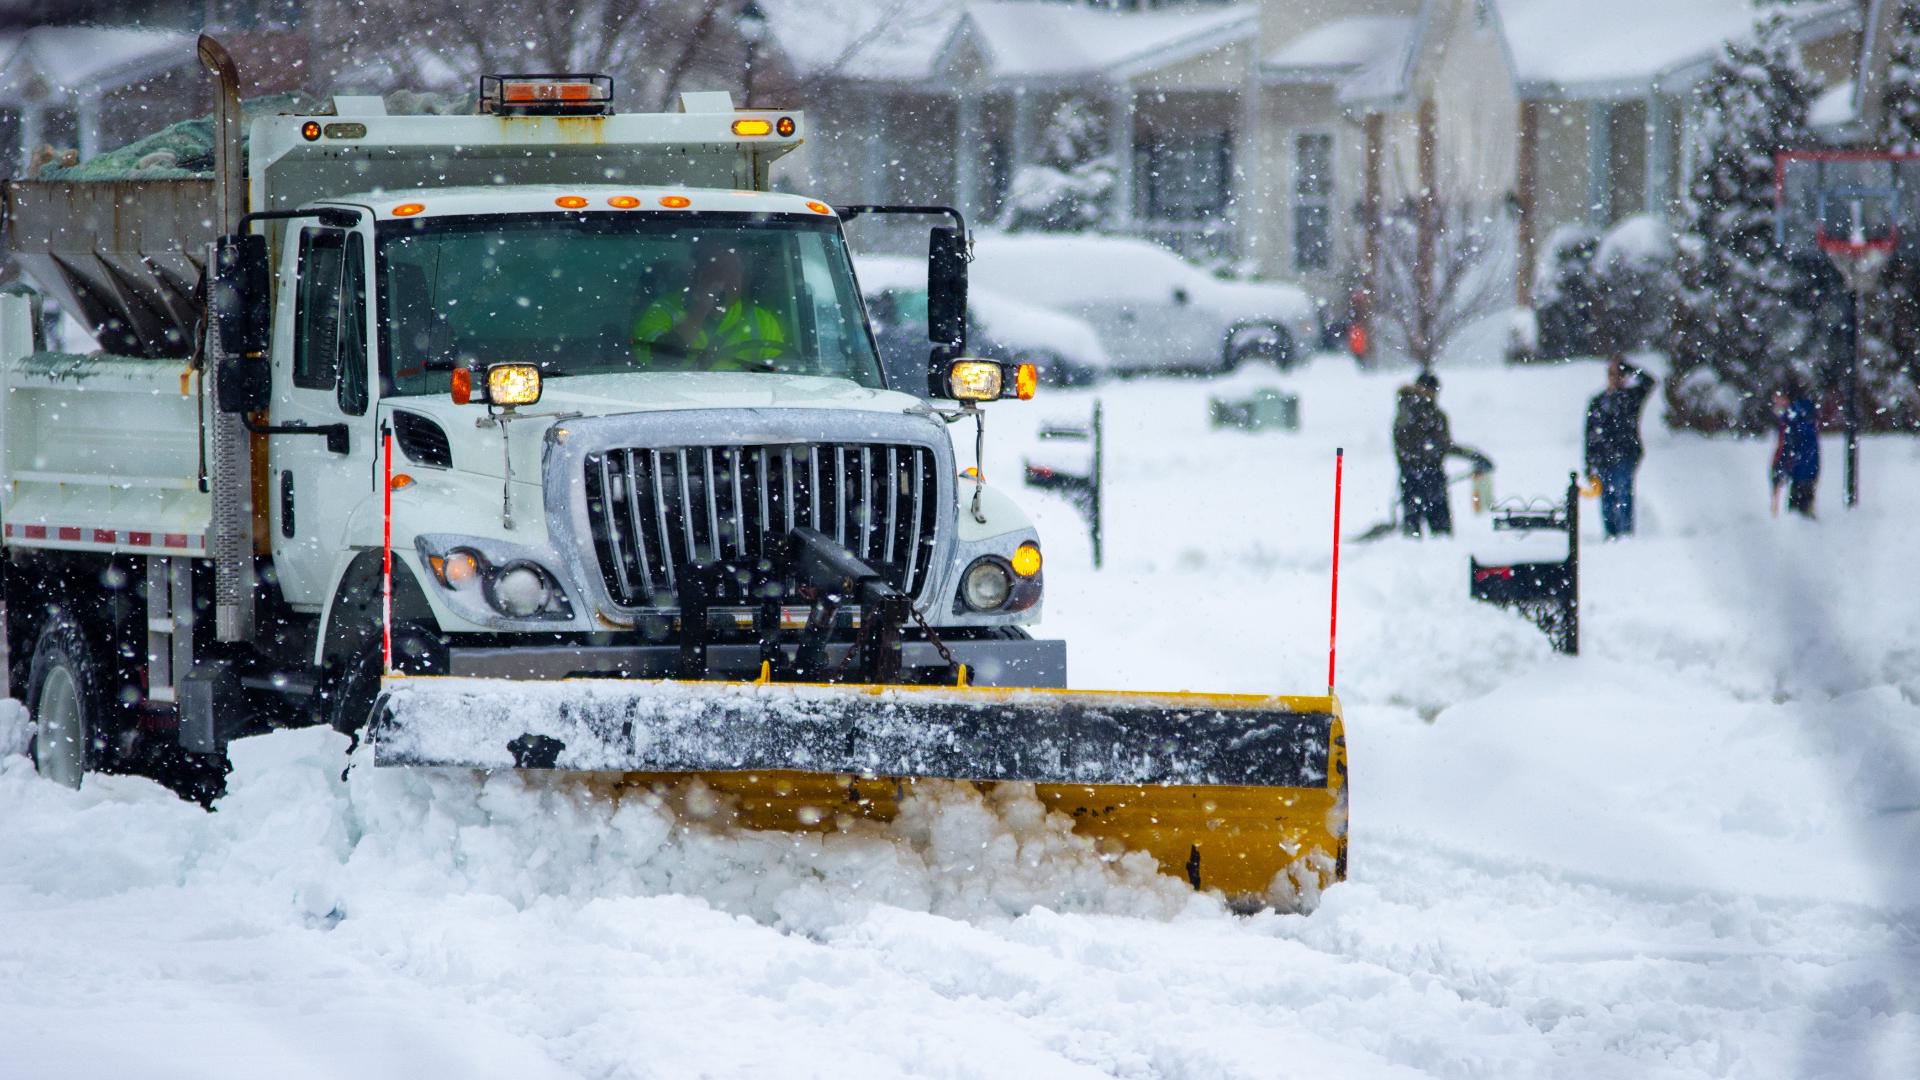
(611, 408)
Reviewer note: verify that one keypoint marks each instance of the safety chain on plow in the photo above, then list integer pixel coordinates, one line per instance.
(938, 645)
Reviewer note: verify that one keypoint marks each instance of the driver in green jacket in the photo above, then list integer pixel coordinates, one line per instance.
(712, 326)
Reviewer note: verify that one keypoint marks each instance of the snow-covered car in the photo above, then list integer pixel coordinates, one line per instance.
(1152, 310)
(1000, 327)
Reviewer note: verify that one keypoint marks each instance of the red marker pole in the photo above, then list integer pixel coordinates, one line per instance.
(386, 557)
(1333, 607)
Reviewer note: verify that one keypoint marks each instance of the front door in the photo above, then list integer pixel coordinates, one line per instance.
(320, 379)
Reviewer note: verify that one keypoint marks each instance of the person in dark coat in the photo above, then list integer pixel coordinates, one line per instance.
(1613, 442)
(1422, 441)
(1796, 453)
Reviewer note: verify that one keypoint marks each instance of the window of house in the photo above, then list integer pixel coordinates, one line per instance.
(1188, 175)
(1313, 202)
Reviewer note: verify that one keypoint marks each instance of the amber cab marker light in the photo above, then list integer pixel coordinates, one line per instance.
(1026, 560)
(462, 385)
(408, 209)
(571, 202)
(623, 202)
(401, 480)
(1026, 381)
(310, 130)
(820, 208)
(675, 202)
(752, 126)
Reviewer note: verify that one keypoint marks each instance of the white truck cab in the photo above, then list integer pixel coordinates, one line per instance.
(611, 404)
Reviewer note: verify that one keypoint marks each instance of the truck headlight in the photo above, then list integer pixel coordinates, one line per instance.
(513, 384)
(520, 590)
(517, 588)
(986, 585)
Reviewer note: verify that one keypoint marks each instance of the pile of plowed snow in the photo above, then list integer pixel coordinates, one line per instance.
(302, 828)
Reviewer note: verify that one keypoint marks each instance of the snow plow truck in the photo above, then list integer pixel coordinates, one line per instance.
(548, 437)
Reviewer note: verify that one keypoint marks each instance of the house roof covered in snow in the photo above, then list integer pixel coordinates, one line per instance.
(1579, 48)
(1028, 40)
(862, 39)
(1337, 48)
(62, 62)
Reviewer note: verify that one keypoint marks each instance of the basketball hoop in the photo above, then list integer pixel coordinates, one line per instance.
(1859, 260)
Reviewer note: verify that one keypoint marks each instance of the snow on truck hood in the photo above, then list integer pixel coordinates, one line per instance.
(611, 395)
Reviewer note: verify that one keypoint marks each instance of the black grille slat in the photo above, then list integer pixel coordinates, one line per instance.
(655, 511)
(423, 441)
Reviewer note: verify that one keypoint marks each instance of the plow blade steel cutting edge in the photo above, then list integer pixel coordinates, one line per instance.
(1228, 791)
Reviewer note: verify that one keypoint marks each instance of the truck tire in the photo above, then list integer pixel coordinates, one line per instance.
(66, 696)
(348, 696)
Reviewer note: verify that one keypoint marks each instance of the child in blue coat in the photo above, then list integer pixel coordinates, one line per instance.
(1796, 454)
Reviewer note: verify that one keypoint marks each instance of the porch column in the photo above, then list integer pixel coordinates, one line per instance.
(1249, 199)
(1427, 236)
(30, 124)
(88, 119)
(1022, 129)
(967, 153)
(1526, 202)
(1123, 158)
(1659, 155)
(874, 147)
(1599, 163)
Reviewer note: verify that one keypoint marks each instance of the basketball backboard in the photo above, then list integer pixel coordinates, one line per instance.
(1846, 203)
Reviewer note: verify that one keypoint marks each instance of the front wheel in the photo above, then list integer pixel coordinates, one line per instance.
(66, 698)
(349, 695)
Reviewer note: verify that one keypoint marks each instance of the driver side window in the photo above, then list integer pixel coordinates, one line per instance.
(316, 346)
(330, 348)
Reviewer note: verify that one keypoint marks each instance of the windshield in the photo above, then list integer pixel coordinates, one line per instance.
(596, 294)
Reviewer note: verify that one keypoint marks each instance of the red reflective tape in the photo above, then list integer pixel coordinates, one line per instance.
(36, 532)
(69, 532)
(1505, 573)
(175, 540)
(9, 530)
(104, 536)
(140, 539)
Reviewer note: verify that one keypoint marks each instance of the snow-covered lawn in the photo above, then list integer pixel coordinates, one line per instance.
(1692, 851)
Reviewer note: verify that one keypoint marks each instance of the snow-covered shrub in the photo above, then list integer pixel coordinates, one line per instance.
(1563, 293)
(1634, 284)
(1068, 187)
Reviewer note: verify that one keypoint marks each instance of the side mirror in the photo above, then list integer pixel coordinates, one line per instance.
(946, 303)
(241, 307)
(243, 384)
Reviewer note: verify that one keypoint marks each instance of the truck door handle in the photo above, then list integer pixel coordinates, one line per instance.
(286, 503)
(337, 442)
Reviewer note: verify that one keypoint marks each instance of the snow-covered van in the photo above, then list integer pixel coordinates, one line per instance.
(596, 354)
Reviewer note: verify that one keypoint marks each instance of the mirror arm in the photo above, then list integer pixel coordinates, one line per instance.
(851, 211)
(337, 442)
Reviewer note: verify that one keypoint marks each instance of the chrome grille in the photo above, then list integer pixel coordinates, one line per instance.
(654, 512)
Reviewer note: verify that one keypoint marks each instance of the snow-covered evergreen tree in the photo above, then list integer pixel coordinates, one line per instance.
(1742, 318)
(1067, 189)
(1890, 371)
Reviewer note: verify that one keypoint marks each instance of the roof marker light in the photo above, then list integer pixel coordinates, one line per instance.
(675, 202)
(571, 202)
(752, 126)
(820, 208)
(622, 202)
(408, 209)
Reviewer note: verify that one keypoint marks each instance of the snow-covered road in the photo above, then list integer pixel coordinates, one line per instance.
(1692, 851)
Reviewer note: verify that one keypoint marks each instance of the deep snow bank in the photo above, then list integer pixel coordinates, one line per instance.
(297, 831)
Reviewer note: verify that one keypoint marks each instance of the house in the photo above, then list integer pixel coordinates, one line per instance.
(87, 88)
(1282, 137)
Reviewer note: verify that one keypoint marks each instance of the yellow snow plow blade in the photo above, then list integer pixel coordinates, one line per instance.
(1241, 793)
